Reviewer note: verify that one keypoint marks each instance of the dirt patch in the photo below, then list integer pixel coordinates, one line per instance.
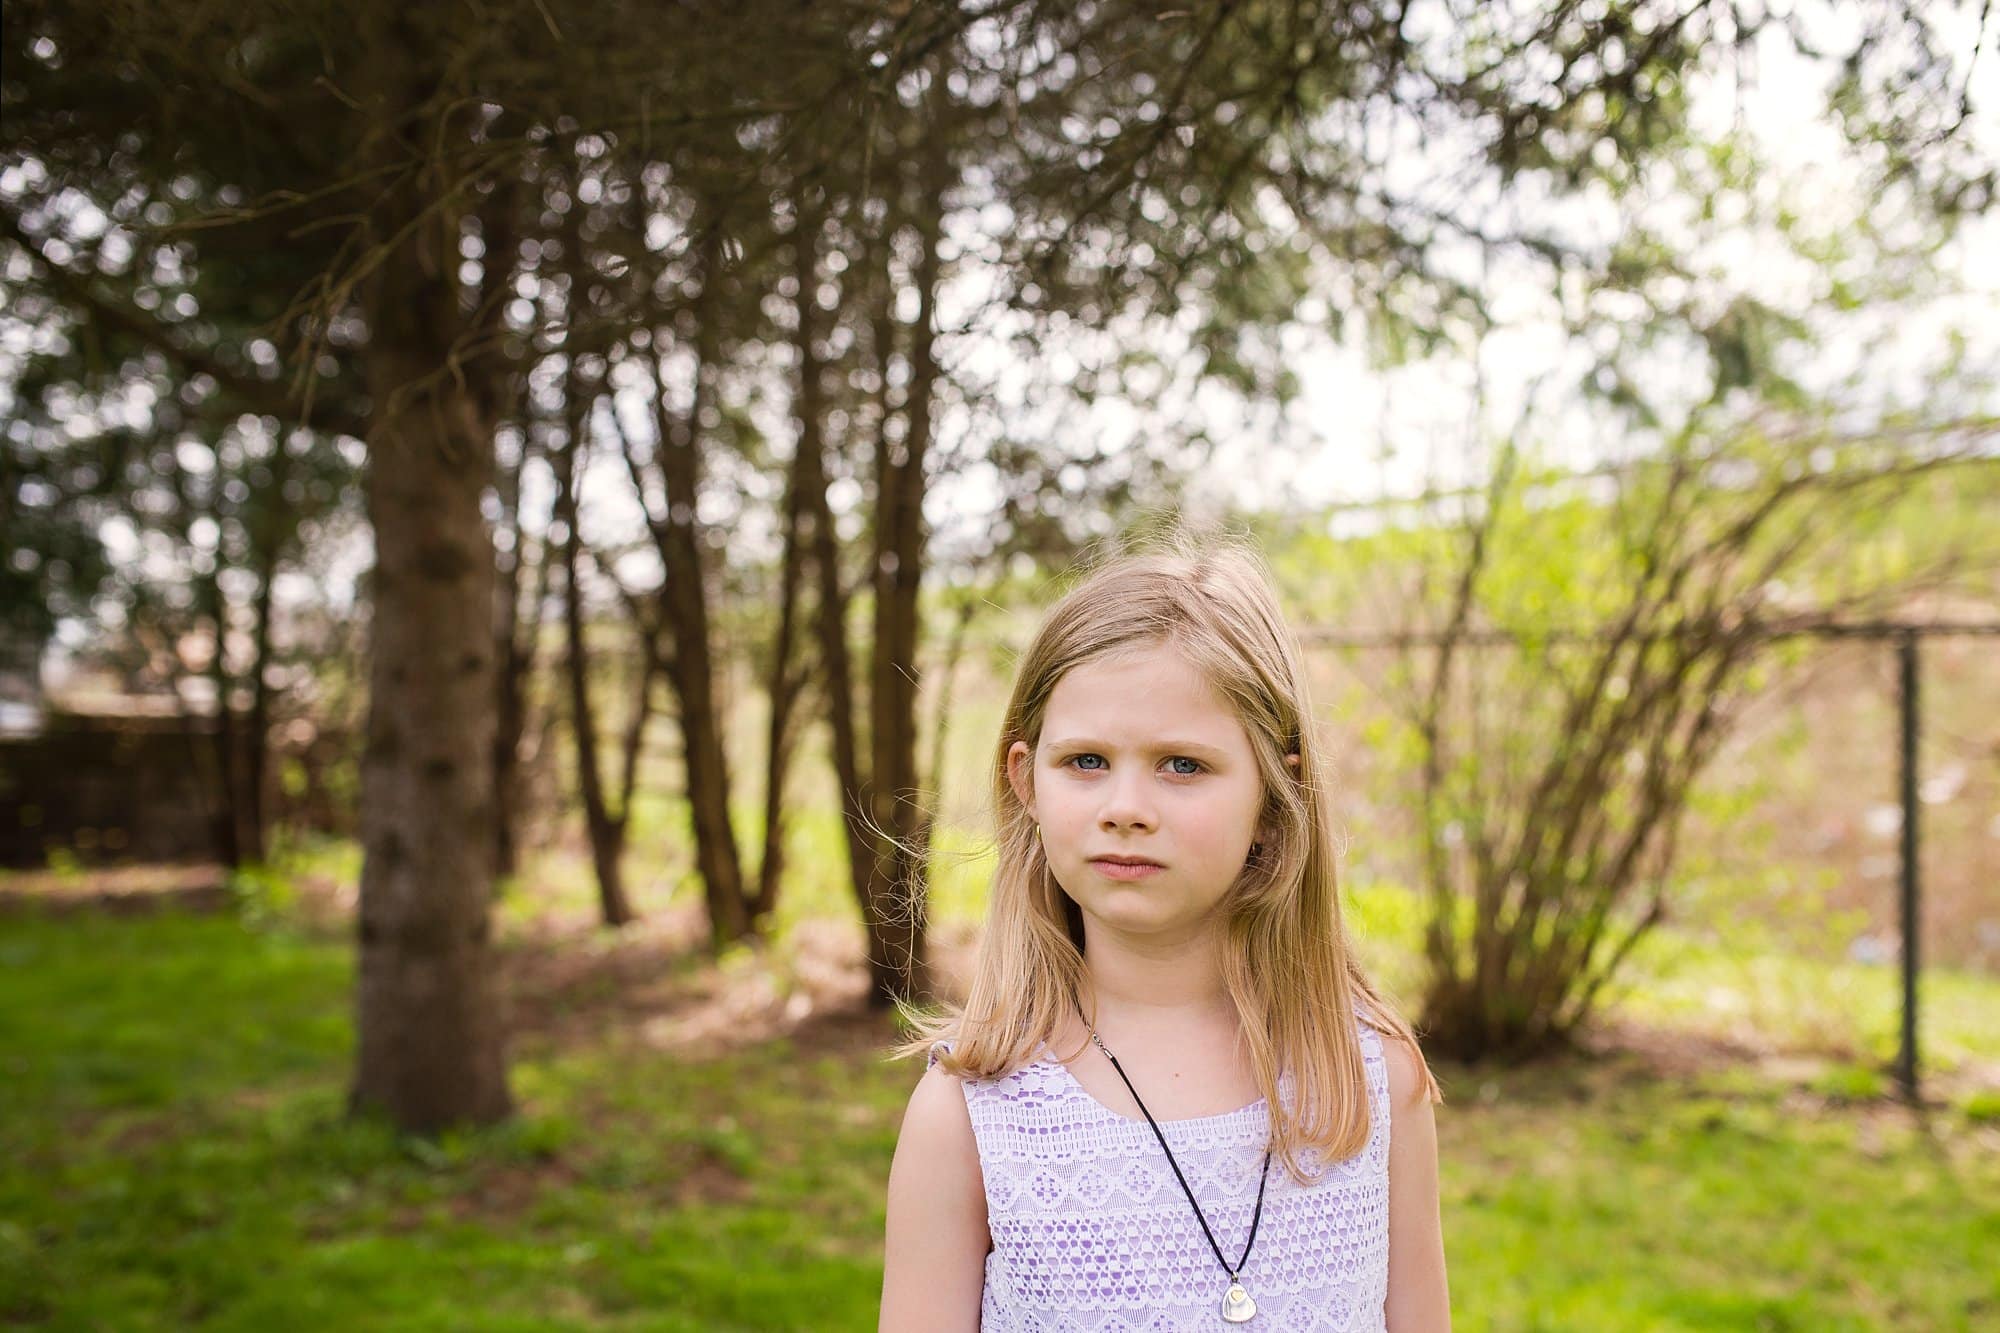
(1624, 1050)
(567, 981)
(1671, 1052)
(652, 980)
(711, 1179)
(326, 904)
(118, 890)
(510, 1191)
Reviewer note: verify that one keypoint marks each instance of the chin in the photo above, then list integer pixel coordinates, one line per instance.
(1135, 907)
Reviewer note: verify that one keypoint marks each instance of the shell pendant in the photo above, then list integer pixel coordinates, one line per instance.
(1237, 1307)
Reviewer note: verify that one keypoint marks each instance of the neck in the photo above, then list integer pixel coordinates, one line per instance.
(1142, 981)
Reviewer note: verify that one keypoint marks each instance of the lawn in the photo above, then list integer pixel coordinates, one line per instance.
(173, 1154)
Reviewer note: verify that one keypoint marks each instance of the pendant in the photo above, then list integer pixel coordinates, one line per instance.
(1237, 1307)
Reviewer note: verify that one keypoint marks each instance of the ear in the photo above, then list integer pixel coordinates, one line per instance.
(1020, 765)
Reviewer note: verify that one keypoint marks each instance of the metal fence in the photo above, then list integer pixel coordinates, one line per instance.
(1908, 638)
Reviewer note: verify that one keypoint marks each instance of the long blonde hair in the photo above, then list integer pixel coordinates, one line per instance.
(1289, 967)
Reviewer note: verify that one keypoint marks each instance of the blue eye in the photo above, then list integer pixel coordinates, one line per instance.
(1183, 767)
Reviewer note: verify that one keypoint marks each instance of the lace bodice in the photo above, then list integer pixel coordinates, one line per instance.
(1092, 1234)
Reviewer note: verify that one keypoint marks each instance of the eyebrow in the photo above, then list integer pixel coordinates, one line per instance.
(1190, 748)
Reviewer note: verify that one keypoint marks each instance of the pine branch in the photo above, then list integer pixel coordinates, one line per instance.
(263, 396)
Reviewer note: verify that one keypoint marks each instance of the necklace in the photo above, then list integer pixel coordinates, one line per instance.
(1237, 1307)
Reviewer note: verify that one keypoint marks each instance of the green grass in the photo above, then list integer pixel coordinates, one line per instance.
(1714, 1202)
(173, 1154)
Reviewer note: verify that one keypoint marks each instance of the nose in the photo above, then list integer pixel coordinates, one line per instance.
(1127, 804)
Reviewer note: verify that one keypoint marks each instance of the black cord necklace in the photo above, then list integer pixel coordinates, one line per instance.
(1237, 1307)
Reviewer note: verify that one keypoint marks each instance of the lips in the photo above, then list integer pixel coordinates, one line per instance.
(1125, 867)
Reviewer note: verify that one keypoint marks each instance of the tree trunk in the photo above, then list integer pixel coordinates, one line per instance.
(430, 1031)
(606, 831)
(784, 684)
(510, 669)
(954, 654)
(517, 649)
(228, 825)
(823, 546)
(899, 893)
(504, 387)
(257, 734)
(684, 603)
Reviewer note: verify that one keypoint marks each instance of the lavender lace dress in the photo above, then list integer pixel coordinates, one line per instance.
(1092, 1234)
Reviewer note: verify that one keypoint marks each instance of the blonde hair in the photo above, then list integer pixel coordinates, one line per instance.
(1289, 967)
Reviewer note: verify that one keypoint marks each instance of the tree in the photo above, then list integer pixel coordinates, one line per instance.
(267, 170)
(605, 823)
(150, 408)
(1582, 645)
(429, 1021)
(1556, 760)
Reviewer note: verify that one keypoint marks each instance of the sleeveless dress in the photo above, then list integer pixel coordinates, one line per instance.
(1092, 1233)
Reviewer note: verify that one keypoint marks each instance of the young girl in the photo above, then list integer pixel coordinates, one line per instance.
(1172, 1099)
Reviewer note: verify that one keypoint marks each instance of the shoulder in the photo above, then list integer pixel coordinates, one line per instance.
(1418, 1289)
(1407, 1075)
(937, 1114)
(936, 1235)
(1410, 1083)
(937, 1149)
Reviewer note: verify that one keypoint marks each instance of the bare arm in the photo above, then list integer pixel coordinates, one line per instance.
(1419, 1298)
(934, 1257)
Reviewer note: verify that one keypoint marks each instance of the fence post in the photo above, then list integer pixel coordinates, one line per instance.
(1906, 1056)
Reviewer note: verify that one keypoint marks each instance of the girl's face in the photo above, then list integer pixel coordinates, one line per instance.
(1140, 758)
